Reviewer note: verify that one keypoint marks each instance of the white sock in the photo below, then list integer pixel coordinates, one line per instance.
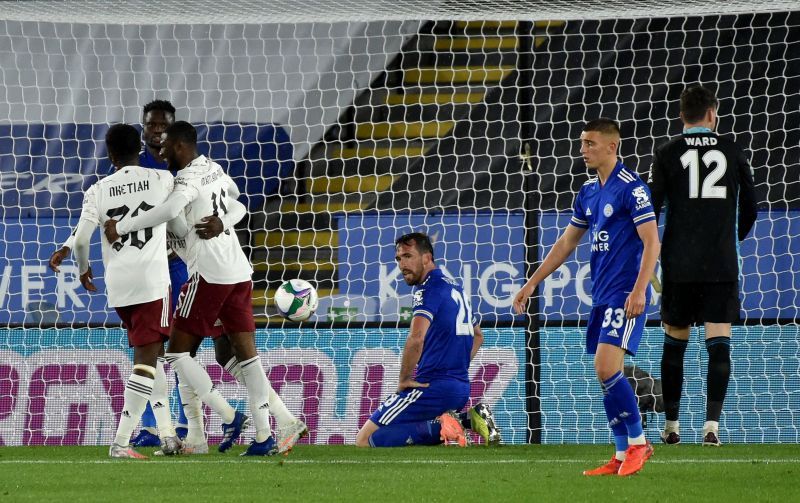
(193, 408)
(672, 426)
(620, 455)
(640, 440)
(137, 392)
(257, 391)
(711, 426)
(282, 415)
(276, 406)
(191, 373)
(235, 369)
(159, 401)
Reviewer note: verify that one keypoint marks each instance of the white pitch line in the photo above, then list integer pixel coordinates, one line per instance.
(400, 461)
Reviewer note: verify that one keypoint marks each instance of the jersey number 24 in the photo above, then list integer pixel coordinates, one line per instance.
(464, 317)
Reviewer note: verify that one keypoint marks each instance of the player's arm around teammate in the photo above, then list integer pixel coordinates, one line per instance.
(140, 298)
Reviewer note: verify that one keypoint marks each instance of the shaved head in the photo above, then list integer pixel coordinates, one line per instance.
(604, 126)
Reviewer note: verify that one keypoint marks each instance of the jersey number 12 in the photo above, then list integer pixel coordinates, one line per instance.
(691, 159)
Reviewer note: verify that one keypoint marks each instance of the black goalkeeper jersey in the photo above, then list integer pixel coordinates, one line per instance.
(707, 185)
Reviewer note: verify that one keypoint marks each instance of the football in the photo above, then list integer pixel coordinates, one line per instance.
(296, 299)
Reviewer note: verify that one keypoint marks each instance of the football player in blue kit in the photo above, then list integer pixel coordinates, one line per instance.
(615, 207)
(156, 117)
(442, 341)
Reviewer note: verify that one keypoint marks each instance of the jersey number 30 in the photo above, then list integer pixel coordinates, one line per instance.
(119, 213)
(464, 317)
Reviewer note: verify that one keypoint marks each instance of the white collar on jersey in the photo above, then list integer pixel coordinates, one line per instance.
(198, 161)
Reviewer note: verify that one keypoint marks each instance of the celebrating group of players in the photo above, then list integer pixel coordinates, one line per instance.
(705, 179)
(162, 231)
(139, 208)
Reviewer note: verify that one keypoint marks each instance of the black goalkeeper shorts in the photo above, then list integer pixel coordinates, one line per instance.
(684, 304)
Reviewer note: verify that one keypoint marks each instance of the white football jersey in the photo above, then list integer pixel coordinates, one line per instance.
(218, 260)
(136, 264)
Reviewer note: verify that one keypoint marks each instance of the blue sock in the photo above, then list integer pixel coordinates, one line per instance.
(148, 418)
(399, 435)
(618, 428)
(621, 394)
(182, 421)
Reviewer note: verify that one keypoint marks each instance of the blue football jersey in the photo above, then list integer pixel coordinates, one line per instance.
(146, 160)
(448, 342)
(178, 272)
(612, 212)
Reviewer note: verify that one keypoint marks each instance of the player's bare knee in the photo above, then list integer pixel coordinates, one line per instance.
(604, 369)
(680, 333)
(364, 434)
(143, 370)
(180, 341)
(145, 357)
(243, 345)
(362, 439)
(223, 352)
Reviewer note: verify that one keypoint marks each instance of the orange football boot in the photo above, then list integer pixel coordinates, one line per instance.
(635, 457)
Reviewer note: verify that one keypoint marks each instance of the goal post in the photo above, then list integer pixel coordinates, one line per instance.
(346, 125)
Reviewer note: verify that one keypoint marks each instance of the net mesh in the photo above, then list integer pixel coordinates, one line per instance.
(346, 126)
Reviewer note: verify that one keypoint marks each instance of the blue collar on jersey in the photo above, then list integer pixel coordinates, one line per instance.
(697, 129)
(435, 272)
(617, 168)
(147, 160)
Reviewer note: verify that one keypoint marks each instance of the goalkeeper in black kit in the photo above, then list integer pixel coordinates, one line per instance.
(707, 185)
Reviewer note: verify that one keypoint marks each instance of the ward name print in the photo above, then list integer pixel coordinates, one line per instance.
(700, 141)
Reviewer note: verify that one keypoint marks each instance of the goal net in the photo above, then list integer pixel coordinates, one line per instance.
(346, 125)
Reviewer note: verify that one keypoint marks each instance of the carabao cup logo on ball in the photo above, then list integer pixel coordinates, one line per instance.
(296, 299)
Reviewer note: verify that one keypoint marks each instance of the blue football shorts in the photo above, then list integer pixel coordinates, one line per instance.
(608, 324)
(178, 275)
(422, 404)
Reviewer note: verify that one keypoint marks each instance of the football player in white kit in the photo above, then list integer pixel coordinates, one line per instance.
(136, 277)
(219, 288)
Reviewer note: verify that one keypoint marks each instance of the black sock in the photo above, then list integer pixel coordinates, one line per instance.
(672, 375)
(465, 419)
(719, 373)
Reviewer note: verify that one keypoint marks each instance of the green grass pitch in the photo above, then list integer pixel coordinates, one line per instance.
(343, 473)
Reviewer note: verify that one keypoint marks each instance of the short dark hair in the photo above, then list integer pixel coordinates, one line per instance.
(183, 132)
(162, 105)
(695, 100)
(419, 239)
(603, 125)
(123, 142)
